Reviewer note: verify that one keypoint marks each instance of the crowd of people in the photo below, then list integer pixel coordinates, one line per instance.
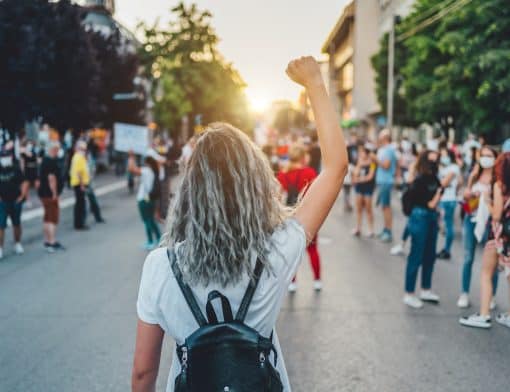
(46, 166)
(435, 182)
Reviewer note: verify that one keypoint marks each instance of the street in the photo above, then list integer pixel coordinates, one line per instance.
(68, 319)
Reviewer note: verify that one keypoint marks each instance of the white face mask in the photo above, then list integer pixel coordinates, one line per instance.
(6, 161)
(445, 161)
(487, 162)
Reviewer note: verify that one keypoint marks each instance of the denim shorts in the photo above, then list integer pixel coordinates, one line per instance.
(384, 195)
(12, 210)
(364, 190)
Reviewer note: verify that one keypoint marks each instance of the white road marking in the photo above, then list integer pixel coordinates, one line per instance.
(69, 201)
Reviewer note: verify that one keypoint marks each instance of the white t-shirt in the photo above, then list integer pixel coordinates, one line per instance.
(450, 192)
(146, 183)
(160, 300)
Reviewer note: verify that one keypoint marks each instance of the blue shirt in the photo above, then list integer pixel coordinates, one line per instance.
(386, 176)
(506, 146)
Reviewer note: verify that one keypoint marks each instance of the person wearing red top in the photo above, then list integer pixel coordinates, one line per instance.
(295, 181)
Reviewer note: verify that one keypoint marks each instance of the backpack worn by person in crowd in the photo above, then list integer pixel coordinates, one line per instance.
(226, 356)
(408, 200)
(155, 193)
(292, 191)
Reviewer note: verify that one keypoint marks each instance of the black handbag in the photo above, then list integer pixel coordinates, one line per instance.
(226, 356)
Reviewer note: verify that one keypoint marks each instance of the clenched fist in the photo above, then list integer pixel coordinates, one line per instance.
(305, 71)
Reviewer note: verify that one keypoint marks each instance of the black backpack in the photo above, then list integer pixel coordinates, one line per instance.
(224, 356)
(293, 192)
(155, 193)
(407, 201)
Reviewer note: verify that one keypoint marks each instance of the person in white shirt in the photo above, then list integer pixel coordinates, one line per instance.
(449, 175)
(227, 214)
(147, 196)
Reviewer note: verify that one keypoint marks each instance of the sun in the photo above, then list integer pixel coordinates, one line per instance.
(258, 100)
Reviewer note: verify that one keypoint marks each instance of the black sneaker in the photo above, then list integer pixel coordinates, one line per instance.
(444, 255)
(58, 246)
(49, 247)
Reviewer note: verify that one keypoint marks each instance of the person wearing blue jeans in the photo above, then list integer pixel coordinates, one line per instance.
(424, 193)
(448, 208)
(479, 183)
(449, 174)
(423, 229)
(386, 160)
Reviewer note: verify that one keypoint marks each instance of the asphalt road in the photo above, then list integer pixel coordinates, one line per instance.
(67, 321)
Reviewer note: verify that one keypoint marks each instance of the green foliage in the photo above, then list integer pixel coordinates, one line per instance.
(46, 67)
(118, 70)
(287, 118)
(455, 71)
(189, 75)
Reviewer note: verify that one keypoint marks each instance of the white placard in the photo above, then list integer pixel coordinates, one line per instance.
(130, 137)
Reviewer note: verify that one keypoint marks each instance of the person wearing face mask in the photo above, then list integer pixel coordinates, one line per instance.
(449, 174)
(496, 250)
(13, 191)
(425, 194)
(479, 183)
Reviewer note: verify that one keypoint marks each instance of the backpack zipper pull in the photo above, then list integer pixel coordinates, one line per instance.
(262, 359)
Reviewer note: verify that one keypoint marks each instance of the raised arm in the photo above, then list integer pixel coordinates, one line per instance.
(317, 202)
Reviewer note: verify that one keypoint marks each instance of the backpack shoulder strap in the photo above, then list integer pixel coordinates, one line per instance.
(250, 291)
(186, 290)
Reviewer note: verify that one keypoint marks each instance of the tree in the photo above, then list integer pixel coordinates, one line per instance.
(118, 67)
(47, 66)
(454, 71)
(380, 65)
(287, 118)
(190, 76)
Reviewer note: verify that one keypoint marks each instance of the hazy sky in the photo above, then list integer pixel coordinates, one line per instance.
(258, 36)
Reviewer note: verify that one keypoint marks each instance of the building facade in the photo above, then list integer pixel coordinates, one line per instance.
(350, 46)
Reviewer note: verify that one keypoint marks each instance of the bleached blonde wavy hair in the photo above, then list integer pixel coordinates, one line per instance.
(226, 210)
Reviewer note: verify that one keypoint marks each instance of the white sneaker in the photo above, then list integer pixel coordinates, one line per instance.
(292, 288)
(397, 250)
(493, 304)
(413, 301)
(476, 321)
(503, 319)
(317, 285)
(429, 296)
(18, 249)
(463, 301)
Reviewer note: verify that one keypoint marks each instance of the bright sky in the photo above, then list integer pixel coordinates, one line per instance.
(258, 36)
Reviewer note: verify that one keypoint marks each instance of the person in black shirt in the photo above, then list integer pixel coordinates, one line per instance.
(425, 194)
(51, 185)
(13, 191)
(29, 164)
